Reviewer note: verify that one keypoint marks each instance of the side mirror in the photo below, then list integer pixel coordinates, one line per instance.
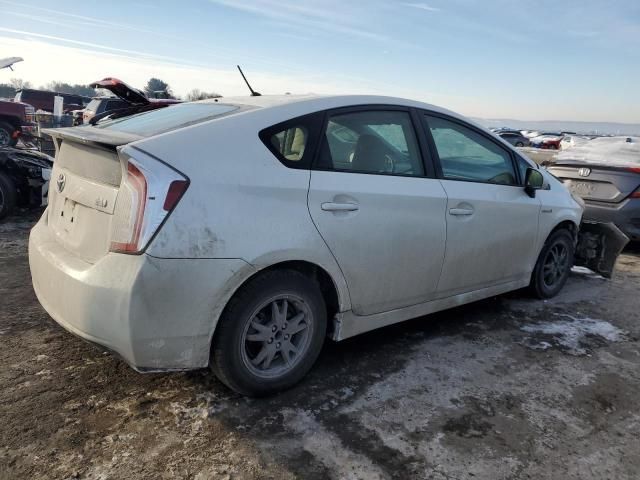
(533, 181)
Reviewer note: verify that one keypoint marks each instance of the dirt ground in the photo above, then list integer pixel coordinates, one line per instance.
(506, 388)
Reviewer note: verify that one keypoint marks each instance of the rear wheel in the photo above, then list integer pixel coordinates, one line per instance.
(519, 144)
(270, 334)
(553, 265)
(8, 195)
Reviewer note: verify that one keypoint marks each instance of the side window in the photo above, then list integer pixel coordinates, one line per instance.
(467, 155)
(293, 142)
(382, 142)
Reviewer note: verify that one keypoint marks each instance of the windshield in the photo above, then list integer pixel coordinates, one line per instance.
(167, 118)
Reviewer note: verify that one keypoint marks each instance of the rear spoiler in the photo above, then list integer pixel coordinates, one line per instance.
(91, 136)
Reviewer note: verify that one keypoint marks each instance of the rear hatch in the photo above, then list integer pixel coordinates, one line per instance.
(109, 196)
(598, 183)
(85, 182)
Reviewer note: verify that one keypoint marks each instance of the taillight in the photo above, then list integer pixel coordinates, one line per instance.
(635, 194)
(149, 191)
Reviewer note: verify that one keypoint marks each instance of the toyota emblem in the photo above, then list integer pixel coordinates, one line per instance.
(61, 182)
(584, 172)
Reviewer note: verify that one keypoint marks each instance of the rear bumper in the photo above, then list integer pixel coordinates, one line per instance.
(157, 314)
(625, 215)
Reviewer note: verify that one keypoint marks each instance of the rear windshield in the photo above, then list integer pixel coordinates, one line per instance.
(168, 118)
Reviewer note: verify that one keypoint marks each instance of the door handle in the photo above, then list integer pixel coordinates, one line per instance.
(460, 211)
(339, 207)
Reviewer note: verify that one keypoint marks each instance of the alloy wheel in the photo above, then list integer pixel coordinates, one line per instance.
(277, 336)
(555, 264)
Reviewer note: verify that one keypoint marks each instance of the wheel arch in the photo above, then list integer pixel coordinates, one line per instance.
(335, 297)
(566, 225)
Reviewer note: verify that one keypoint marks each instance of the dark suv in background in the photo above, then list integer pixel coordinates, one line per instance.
(102, 104)
(43, 99)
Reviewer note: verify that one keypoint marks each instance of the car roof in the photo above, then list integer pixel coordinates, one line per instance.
(314, 102)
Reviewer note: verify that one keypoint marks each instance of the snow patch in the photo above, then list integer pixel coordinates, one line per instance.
(571, 333)
(586, 271)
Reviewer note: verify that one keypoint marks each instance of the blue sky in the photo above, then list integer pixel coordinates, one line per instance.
(527, 59)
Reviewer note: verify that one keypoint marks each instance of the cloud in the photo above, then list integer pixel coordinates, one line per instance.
(422, 6)
(69, 18)
(84, 62)
(334, 17)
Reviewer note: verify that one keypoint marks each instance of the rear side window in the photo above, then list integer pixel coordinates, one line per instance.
(290, 143)
(467, 155)
(167, 118)
(293, 142)
(376, 141)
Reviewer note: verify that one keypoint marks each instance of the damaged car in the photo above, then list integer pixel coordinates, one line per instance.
(605, 173)
(24, 179)
(239, 233)
(126, 101)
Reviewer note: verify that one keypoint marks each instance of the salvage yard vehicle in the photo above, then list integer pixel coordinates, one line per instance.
(605, 172)
(514, 138)
(24, 179)
(16, 119)
(238, 233)
(44, 99)
(127, 101)
(550, 140)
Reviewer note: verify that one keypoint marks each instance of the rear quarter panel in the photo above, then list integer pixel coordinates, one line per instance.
(242, 202)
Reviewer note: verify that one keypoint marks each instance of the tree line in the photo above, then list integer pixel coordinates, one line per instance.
(155, 88)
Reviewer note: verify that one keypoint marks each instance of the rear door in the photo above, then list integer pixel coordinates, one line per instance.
(374, 204)
(492, 224)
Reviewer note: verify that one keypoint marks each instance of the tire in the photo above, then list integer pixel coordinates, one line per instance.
(519, 144)
(553, 265)
(238, 355)
(8, 195)
(6, 130)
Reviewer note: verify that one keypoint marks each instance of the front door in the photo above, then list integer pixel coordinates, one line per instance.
(382, 219)
(492, 224)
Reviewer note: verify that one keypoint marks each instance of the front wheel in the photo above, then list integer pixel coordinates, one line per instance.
(270, 334)
(553, 265)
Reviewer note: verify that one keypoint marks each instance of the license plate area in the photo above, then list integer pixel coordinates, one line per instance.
(68, 215)
(583, 189)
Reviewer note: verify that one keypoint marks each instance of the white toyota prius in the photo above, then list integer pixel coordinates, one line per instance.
(239, 233)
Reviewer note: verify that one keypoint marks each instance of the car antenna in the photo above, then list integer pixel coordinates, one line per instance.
(253, 92)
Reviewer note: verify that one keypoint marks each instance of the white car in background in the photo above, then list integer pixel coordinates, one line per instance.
(570, 141)
(238, 233)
